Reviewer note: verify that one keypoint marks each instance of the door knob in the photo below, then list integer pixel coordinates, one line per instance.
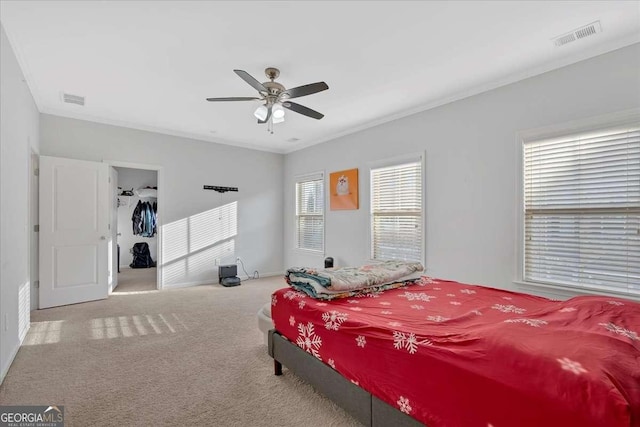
(103, 238)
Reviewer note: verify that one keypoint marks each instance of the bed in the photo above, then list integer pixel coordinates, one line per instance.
(442, 353)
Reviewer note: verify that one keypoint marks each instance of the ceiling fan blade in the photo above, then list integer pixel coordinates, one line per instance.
(252, 81)
(239, 98)
(268, 116)
(305, 90)
(301, 109)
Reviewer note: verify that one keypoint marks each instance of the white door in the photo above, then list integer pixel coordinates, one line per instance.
(113, 235)
(74, 231)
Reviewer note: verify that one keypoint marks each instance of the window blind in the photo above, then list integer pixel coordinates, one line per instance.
(310, 213)
(582, 210)
(396, 212)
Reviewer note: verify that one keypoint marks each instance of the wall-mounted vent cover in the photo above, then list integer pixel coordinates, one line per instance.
(293, 139)
(73, 99)
(579, 33)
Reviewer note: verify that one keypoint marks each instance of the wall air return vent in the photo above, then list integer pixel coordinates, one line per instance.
(579, 33)
(73, 99)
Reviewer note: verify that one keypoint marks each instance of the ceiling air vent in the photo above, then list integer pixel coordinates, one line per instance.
(73, 99)
(579, 33)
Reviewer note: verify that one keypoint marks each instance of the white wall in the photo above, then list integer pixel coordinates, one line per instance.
(471, 166)
(198, 226)
(18, 134)
(127, 179)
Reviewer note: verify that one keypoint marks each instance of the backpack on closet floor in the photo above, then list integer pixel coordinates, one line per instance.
(141, 256)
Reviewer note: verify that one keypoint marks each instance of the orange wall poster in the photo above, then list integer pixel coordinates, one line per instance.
(343, 190)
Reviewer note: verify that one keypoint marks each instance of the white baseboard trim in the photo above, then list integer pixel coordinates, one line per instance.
(214, 281)
(14, 352)
(278, 273)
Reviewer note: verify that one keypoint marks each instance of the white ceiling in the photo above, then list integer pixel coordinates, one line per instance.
(150, 65)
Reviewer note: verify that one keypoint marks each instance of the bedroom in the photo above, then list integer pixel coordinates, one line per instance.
(466, 122)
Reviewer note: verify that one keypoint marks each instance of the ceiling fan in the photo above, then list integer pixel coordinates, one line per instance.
(276, 97)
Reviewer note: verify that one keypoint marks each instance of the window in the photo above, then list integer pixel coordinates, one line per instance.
(582, 210)
(310, 212)
(396, 212)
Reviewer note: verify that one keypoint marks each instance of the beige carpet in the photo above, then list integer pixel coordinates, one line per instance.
(182, 357)
(137, 279)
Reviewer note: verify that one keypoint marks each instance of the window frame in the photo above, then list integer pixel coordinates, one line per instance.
(312, 176)
(397, 161)
(595, 123)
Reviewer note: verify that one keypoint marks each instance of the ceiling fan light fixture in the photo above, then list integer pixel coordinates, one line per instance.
(261, 113)
(277, 119)
(278, 112)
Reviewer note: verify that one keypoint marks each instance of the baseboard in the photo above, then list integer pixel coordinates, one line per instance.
(5, 369)
(262, 275)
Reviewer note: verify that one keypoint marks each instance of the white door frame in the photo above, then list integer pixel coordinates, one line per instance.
(160, 170)
(33, 203)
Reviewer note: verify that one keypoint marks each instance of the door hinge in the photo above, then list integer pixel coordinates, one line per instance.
(36, 284)
(36, 172)
(36, 228)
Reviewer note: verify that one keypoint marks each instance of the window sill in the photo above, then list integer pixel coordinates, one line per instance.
(309, 252)
(567, 291)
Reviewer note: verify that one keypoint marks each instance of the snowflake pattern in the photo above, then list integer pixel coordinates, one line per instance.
(321, 304)
(508, 308)
(451, 295)
(274, 300)
(292, 320)
(353, 301)
(355, 309)
(536, 323)
(332, 363)
(301, 304)
(571, 365)
(455, 302)
(386, 312)
(477, 312)
(417, 307)
(292, 294)
(407, 341)
(384, 303)
(333, 319)
(568, 309)
(404, 405)
(437, 289)
(308, 340)
(620, 330)
(423, 281)
(437, 318)
(416, 296)
(394, 324)
(361, 341)
(615, 303)
(507, 298)
(467, 291)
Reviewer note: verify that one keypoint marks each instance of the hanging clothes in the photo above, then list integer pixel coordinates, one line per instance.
(144, 219)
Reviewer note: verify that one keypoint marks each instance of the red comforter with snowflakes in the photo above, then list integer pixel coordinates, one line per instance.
(450, 354)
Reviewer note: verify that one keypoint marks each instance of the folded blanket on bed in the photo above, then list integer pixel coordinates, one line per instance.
(348, 281)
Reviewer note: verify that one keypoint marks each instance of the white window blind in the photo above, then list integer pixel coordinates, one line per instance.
(310, 213)
(396, 212)
(582, 210)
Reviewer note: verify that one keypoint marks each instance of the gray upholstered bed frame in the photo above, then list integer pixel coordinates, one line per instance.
(363, 406)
